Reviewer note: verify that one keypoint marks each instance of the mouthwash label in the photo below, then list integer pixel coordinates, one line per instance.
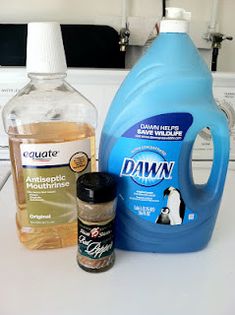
(50, 171)
(147, 158)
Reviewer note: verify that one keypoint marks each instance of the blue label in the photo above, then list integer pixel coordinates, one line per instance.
(146, 160)
(165, 127)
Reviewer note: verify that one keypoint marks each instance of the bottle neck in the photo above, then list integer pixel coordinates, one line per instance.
(48, 80)
(174, 26)
(47, 76)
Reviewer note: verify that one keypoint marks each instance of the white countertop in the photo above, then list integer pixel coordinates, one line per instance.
(51, 283)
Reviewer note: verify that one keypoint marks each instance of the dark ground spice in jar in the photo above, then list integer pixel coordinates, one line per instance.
(96, 194)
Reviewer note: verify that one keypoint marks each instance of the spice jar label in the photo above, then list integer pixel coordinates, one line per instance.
(95, 241)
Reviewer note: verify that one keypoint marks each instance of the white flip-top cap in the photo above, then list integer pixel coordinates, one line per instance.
(45, 50)
(176, 21)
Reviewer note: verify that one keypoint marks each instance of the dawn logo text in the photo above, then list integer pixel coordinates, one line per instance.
(147, 168)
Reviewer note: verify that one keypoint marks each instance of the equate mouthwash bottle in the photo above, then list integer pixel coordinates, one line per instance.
(51, 130)
(147, 142)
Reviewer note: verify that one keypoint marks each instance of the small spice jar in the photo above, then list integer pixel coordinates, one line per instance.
(96, 194)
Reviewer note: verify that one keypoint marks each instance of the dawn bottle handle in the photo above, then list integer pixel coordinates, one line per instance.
(221, 143)
(206, 195)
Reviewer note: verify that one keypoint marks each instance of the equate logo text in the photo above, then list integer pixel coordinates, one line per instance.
(40, 155)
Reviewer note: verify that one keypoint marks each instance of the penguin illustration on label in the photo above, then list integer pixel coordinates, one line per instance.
(173, 213)
(176, 204)
(164, 217)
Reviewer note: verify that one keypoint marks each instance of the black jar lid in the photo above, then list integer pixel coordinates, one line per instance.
(96, 187)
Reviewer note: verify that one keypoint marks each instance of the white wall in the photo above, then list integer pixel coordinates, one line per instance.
(227, 26)
(81, 11)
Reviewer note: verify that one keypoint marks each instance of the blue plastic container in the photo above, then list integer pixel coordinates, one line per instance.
(147, 141)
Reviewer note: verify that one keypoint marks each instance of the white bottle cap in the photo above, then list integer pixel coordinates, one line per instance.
(176, 21)
(45, 50)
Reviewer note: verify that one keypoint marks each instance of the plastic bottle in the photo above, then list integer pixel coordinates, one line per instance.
(51, 130)
(147, 141)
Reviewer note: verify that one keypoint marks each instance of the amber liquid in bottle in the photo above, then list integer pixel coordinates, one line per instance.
(51, 236)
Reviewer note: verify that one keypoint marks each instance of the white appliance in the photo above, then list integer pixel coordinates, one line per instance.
(224, 93)
(100, 86)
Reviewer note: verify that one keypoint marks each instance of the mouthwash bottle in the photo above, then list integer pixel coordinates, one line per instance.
(51, 129)
(147, 142)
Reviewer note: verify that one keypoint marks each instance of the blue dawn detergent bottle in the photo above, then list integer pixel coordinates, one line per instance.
(147, 141)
